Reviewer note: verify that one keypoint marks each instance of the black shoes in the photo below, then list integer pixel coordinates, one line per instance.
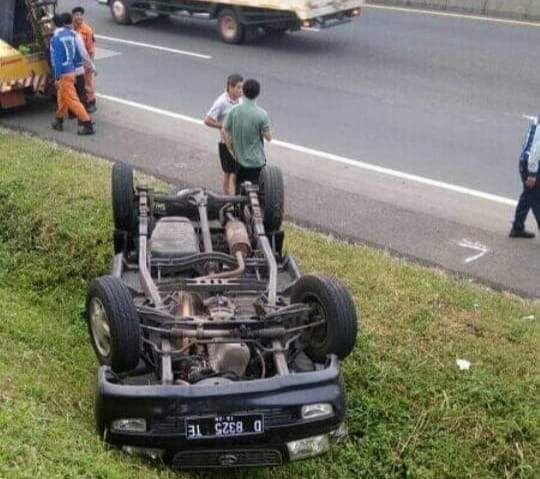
(514, 233)
(86, 128)
(58, 124)
(91, 107)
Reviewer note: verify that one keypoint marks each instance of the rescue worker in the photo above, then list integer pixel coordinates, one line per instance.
(87, 34)
(528, 168)
(83, 63)
(245, 129)
(64, 53)
(214, 119)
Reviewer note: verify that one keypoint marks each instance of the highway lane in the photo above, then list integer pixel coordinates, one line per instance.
(416, 134)
(437, 97)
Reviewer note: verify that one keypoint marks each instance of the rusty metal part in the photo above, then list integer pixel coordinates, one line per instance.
(186, 309)
(185, 300)
(237, 238)
(231, 273)
(280, 361)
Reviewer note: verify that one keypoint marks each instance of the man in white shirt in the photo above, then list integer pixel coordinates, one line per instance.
(215, 118)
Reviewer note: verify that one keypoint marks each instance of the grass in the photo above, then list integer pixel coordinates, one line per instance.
(412, 412)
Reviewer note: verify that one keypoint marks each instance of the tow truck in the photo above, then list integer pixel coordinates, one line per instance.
(239, 21)
(25, 30)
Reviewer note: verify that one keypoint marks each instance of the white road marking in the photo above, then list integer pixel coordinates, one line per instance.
(529, 117)
(476, 246)
(154, 47)
(102, 53)
(455, 15)
(331, 157)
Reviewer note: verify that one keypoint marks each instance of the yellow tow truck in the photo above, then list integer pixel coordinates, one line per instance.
(25, 30)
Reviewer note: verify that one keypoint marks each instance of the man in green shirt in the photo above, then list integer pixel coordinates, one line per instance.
(245, 129)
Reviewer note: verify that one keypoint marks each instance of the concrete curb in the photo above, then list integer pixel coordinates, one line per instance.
(528, 10)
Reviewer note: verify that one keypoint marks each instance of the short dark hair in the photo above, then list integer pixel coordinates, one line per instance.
(77, 10)
(68, 19)
(251, 89)
(234, 79)
(62, 19)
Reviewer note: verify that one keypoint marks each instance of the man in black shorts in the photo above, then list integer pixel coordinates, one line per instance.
(215, 118)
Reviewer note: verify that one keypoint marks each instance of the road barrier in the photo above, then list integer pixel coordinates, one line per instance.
(515, 9)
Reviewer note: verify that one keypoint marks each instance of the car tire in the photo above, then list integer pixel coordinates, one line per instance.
(272, 197)
(120, 12)
(120, 241)
(329, 300)
(123, 198)
(230, 29)
(113, 324)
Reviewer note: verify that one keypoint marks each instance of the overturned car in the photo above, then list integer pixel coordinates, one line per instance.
(215, 350)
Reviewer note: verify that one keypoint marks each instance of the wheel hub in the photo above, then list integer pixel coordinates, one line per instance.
(228, 27)
(99, 324)
(119, 9)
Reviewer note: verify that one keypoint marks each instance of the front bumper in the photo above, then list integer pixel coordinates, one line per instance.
(329, 20)
(165, 409)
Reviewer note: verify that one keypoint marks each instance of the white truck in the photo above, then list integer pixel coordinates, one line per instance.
(240, 20)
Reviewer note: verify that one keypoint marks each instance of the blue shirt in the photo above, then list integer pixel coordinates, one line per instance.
(64, 52)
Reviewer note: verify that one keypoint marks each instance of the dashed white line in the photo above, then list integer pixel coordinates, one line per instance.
(331, 157)
(455, 15)
(154, 47)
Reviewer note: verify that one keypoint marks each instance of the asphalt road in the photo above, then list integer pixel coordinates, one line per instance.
(442, 98)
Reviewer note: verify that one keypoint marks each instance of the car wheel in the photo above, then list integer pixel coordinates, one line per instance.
(230, 28)
(272, 197)
(331, 302)
(113, 323)
(120, 12)
(123, 199)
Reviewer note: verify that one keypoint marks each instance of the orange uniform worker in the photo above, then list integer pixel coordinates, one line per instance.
(87, 34)
(64, 54)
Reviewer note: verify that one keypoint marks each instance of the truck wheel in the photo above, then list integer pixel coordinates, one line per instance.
(123, 198)
(229, 27)
(113, 324)
(272, 197)
(331, 302)
(120, 12)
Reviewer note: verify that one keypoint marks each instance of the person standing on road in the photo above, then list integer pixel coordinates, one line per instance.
(83, 64)
(245, 129)
(89, 40)
(64, 52)
(214, 119)
(528, 169)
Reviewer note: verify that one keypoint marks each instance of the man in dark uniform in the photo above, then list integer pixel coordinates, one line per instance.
(528, 169)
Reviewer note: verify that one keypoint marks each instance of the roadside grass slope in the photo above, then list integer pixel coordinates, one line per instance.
(412, 412)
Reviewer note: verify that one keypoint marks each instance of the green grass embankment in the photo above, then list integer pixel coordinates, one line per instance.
(412, 412)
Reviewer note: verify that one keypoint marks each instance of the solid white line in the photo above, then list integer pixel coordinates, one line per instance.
(331, 157)
(154, 47)
(454, 15)
(151, 109)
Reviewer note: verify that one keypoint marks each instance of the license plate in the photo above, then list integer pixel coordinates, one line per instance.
(231, 425)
